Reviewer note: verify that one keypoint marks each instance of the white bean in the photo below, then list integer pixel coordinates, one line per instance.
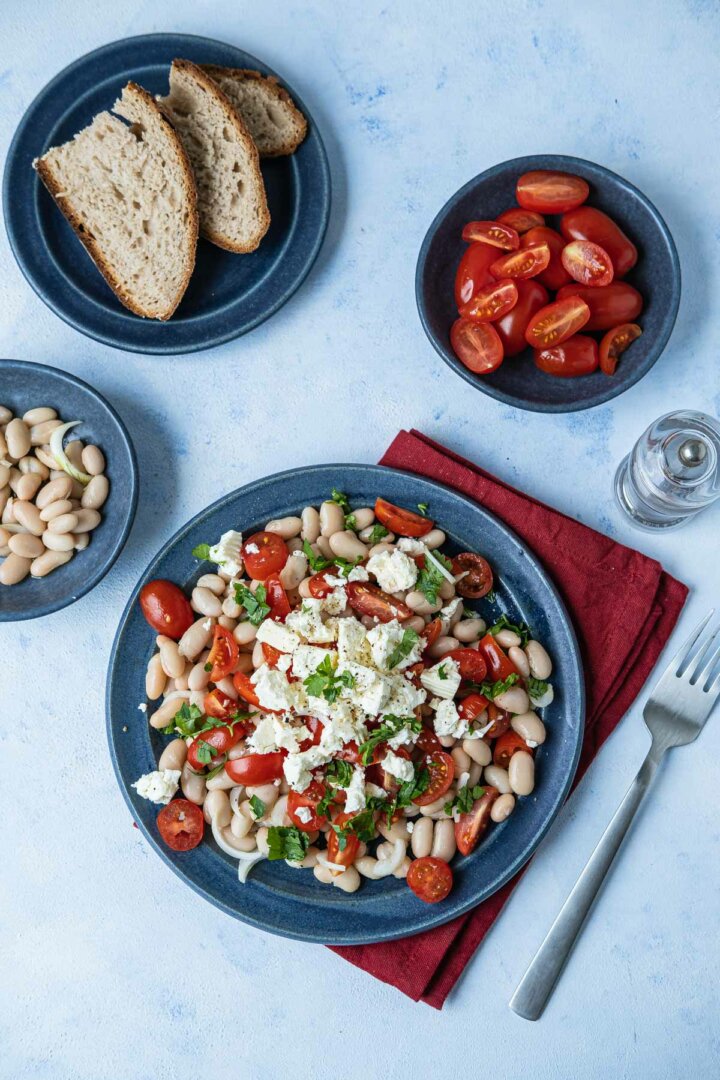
(294, 571)
(14, 570)
(364, 517)
(53, 491)
(478, 750)
(521, 772)
(213, 582)
(25, 513)
(40, 434)
(539, 660)
(26, 545)
(49, 561)
(92, 459)
(196, 637)
(95, 494)
(193, 785)
(87, 520)
(502, 807)
(418, 603)
(349, 882)
(39, 415)
(323, 875)
(346, 545)
(27, 486)
(520, 660)
(174, 755)
(172, 661)
(310, 524)
(154, 678)
(220, 782)
(442, 646)
(205, 601)
(198, 677)
(55, 509)
(17, 437)
(416, 623)
(332, 519)
(65, 523)
(434, 539)
(507, 638)
(514, 700)
(498, 778)
(32, 465)
(5, 414)
(165, 714)
(462, 759)
(529, 727)
(443, 846)
(217, 808)
(286, 527)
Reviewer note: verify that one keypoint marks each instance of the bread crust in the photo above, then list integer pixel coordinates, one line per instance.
(276, 90)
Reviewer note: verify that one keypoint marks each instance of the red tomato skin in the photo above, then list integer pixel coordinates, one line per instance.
(524, 264)
(587, 263)
(178, 834)
(587, 223)
(349, 854)
(470, 827)
(432, 632)
(219, 705)
(442, 773)
(276, 597)
(220, 738)
(491, 233)
(557, 322)
(491, 302)
(245, 689)
(478, 576)
(166, 608)
(430, 878)
(507, 745)
(471, 706)
(271, 555)
(256, 769)
(555, 275)
(428, 742)
(223, 654)
(477, 345)
(609, 306)
(473, 272)
(521, 220)
(369, 599)
(576, 356)
(401, 521)
(471, 664)
(498, 664)
(309, 799)
(500, 720)
(614, 343)
(318, 586)
(551, 192)
(511, 328)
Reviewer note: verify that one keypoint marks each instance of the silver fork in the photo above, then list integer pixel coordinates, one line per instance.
(675, 715)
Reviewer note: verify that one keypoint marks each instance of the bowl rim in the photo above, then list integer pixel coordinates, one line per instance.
(89, 583)
(562, 161)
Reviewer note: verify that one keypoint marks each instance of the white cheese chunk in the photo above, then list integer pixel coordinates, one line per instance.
(355, 792)
(443, 679)
(405, 737)
(352, 642)
(410, 546)
(158, 786)
(447, 721)
(393, 571)
(273, 690)
(262, 739)
(399, 767)
(307, 621)
(404, 696)
(307, 659)
(370, 690)
(226, 553)
(335, 602)
(277, 635)
(304, 814)
(297, 767)
(288, 737)
(384, 640)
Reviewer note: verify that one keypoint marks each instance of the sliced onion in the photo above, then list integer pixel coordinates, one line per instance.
(333, 867)
(58, 452)
(246, 859)
(437, 564)
(388, 866)
(546, 699)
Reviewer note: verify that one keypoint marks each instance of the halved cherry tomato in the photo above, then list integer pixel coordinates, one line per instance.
(245, 689)
(499, 665)
(428, 742)
(587, 223)
(557, 322)
(473, 272)
(551, 192)
(477, 345)
(166, 608)
(430, 878)
(576, 356)
(264, 553)
(471, 664)
(492, 232)
(369, 599)
(387, 779)
(432, 632)
(478, 579)
(442, 773)
(520, 220)
(401, 521)
(470, 827)
(219, 705)
(309, 798)
(491, 302)
(511, 328)
(271, 655)
(256, 769)
(587, 263)
(616, 342)
(223, 654)
(525, 263)
(276, 597)
(349, 854)
(316, 727)
(499, 719)
(349, 752)
(217, 741)
(554, 275)
(472, 706)
(506, 746)
(318, 585)
(181, 824)
(611, 305)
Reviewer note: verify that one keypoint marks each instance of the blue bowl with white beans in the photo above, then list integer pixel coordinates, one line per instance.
(275, 895)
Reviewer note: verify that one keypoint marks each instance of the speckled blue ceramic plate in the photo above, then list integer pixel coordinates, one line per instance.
(291, 902)
(23, 386)
(517, 381)
(228, 294)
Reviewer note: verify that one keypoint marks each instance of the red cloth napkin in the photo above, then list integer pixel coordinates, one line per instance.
(597, 578)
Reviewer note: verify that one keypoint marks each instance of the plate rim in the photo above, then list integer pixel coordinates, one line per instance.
(453, 362)
(112, 339)
(425, 920)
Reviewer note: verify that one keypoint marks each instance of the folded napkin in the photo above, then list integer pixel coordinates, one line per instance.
(596, 578)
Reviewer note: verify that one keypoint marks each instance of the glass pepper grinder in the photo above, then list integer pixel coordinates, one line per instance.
(672, 472)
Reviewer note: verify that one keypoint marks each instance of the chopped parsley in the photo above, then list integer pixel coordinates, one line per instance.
(390, 726)
(254, 603)
(287, 842)
(325, 682)
(205, 752)
(409, 791)
(339, 771)
(345, 566)
(442, 673)
(351, 522)
(536, 688)
(490, 597)
(202, 551)
(257, 806)
(465, 799)
(491, 690)
(521, 629)
(341, 499)
(316, 562)
(403, 648)
(430, 579)
(469, 614)
(361, 825)
(423, 508)
(189, 721)
(377, 533)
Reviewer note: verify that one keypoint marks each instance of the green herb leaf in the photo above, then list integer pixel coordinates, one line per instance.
(469, 614)
(423, 508)
(202, 551)
(287, 842)
(186, 722)
(325, 682)
(491, 690)
(339, 771)
(216, 771)
(316, 562)
(257, 806)
(442, 673)
(361, 825)
(409, 791)
(351, 522)
(430, 579)
(390, 726)
(490, 597)
(205, 752)
(465, 799)
(521, 629)
(254, 603)
(378, 533)
(536, 688)
(403, 648)
(341, 499)
(345, 566)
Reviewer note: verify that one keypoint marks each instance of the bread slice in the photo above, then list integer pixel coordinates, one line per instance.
(269, 113)
(231, 194)
(129, 194)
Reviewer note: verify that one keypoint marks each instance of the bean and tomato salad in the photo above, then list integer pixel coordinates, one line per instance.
(554, 287)
(333, 697)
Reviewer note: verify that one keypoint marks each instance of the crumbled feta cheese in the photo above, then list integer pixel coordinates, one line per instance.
(335, 602)
(384, 639)
(284, 662)
(262, 739)
(448, 613)
(288, 737)
(226, 553)
(355, 792)
(405, 737)
(448, 721)
(307, 659)
(443, 679)
(399, 767)
(304, 814)
(371, 690)
(373, 791)
(352, 641)
(273, 690)
(253, 549)
(142, 707)
(341, 724)
(393, 571)
(158, 786)
(358, 573)
(296, 767)
(410, 546)
(404, 696)
(308, 623)
(410, 825)
(277, 635)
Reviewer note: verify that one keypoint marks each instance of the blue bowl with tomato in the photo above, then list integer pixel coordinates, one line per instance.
(652, 283)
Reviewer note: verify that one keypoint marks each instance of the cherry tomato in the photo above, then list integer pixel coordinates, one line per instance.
(492, 233)
(431, 879)
(318, 585)
(271, 655)
(264, 553)
(587, 263)
(442, 773)
(498, 664)
(256, 769)
(554, 276)
(276, 598)
(551, 192)
(181, 824)
(478, 579)
(587, 223)
(215, 742)
(500, 720)
(470, 827)
(370, 600)
(166, 608)
(525, 263)
(508, 744)
(520, 220)
(309, 798)
(349, 854)
(428, 742)
(557, 322)
(511, 328)
(610, 306)
(473, 272)
(432, 632)
(576, 356)
(245, 689)
(349, 752)
(223, 654)
(316, 728)
(491, 302)
(616, 342)
(471, 664)
(477, 345)
(219, 705)
(401, 521)
(472, 706)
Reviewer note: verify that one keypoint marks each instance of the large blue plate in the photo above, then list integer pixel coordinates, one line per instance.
(291, 902)
(228, 294)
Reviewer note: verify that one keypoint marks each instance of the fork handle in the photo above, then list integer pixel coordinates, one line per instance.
(539, 980)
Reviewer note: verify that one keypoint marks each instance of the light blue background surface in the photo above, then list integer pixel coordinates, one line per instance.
(110, 968)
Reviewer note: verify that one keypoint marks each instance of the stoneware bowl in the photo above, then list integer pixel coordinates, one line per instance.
(517, 381)
(24, 385)
(291, 902)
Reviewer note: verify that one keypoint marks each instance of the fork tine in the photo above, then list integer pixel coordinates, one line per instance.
(701, 665)
(682, 653)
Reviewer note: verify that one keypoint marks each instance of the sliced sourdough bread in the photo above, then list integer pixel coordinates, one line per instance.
(267, 110)
(231, 194)
(128, 192)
